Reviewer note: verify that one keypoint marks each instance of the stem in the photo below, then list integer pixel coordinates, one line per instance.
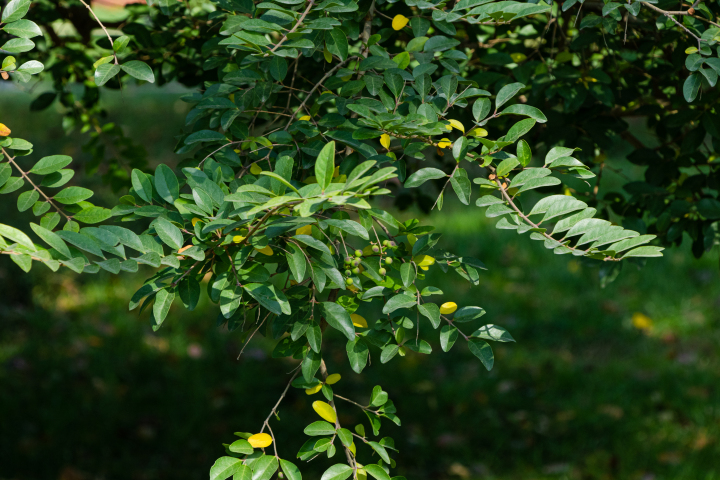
(297, 24)
(104, 29)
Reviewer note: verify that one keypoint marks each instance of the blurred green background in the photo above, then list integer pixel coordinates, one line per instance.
(614, 383)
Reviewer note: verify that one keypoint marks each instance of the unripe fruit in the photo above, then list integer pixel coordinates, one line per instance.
(348, 260)
(356, 263)
(348, 273)
(388, 261)
(358, 253)
(375, 248)
(356, 270)
(382, 272)
(349, 281)
(386, 242)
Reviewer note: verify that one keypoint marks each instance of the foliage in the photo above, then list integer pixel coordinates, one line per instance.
(272, 204)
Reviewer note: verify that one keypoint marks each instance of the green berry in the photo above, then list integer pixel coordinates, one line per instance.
(348, 260)
(356, 270)
(358, 253)
(356, 263)
(348, 273)
(388, 261)
(348, 281)
(382, 272)
(386, 242)
(375, 248)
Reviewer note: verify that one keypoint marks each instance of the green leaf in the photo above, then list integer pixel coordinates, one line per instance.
(482, 350)
(397, 302)
(337, 44)
(51, 239)
(310, 365)
(92, 215)
(139, 70)
(691, 87)
(519, 129)
(241, 446)
(461, 185)
(524, 154)
(23, 29)
(506, 166)
(105, 72)
(189, 290)
(22, 261)
(27, 199)
(142, 185)
(506, 93)
(407, 273)
(290, 470)
(646, 251)
(296, 262)
(15, 10)
(460, 148)
(264, 467)
(83, 242)
(448, 336)
(72, 195)
(16, 236)
(48, 165)
(269, 297)
(527, 110)
(439, 43)
(337, 472)
(357, 352)
(32, 67)
(318, 428)
(169, 233)
(430, 311)
(243, 472)
(230, 299)
(349, 226)
(380, 451)
(278, 68)
(325, 165)
(204, 136)
(377, 472)
(416, 44)
(225, 467)
(422, 176)
(166, 184)
(338, 318)
(493, 332)
(312, 242)
(18, 45)
(163, 301)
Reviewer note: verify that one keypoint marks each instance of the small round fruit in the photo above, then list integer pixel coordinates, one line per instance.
(388, 261)
(348, 281)
(375, 248)
(348, 273)
(358, 253)
(356, 263)
(386, 242)
(348, 260)
(356, 270)
(382, 272)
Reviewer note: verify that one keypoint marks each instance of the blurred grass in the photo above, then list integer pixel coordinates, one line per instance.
(90, 392)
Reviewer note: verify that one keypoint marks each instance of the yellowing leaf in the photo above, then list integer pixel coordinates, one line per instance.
(478, 132)
(265, 250)
(4, 131)
(313, 390)
(518, 57)
(358, 321)
(260, 440)
(334, 378)
(385, 140)
(353, 450)
(445, 143)
(255, 169)
(641, 321)
(690, 50)
(325, 411)
(195, 220)
(306, 230)
(412, 239)
(184, 248)
(448, 308)
(424, 261)
(305, 117)
(336, 172)
(238, 238)
(310, 179)
(399, 22)
(327, 55)
(457, 125)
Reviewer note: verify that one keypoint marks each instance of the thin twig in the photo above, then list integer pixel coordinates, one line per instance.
(104, 29)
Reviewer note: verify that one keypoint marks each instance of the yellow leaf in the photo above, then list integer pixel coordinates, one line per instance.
(305, 117)
(353, 450)
(331, 248)
(265, 250)
(478, 132)
(195, 220)
(518, 57)
(448, 308)
(399, 22)
(445, 143)
(424, 261)
(362, 474)
(343, 178)
(412, 239)
(260, 440)
(310, 179)
(336, 172)
(238, 238)
(255, 169)
(457, 125)
(358, 321)
(690, 50)
(313, 390)
(641, 321)
(448, 127)
(325, 411)
(333, 379)
(306, 230)
(327, 55)
(385, 140)
(4, 131)
(184, 248)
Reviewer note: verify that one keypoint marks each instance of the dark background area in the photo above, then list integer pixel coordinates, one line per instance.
(614, 383)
